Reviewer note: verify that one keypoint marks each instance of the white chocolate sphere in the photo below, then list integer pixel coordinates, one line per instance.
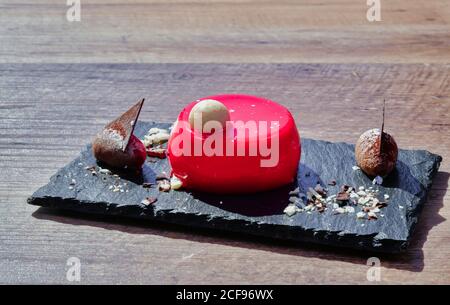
(210, 110)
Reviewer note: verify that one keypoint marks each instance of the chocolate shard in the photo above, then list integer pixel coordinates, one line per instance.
(382, 137)
(125, 123)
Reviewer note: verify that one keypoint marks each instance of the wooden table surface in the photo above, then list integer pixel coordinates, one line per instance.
(60, 82)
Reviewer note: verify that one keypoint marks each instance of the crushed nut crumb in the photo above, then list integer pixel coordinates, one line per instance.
(149, 200)
(291, 210)
(164, 185)
(175, 183)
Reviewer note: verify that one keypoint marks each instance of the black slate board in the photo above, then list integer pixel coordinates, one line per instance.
(258, 214)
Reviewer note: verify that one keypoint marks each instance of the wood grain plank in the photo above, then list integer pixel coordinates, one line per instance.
(225, 31)
(49, 111)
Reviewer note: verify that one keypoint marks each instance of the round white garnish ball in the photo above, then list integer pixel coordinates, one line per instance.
(210, 110)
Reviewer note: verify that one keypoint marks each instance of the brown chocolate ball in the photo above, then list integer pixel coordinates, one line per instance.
(369, 157)
(108, 148)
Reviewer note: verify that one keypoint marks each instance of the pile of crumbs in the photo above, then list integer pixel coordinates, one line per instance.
(347, 201)
(166, 183)
(154, 140)
(116, 186)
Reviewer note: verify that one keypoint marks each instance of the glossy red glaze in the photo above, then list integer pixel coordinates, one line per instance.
(137, 150)
(238, 173)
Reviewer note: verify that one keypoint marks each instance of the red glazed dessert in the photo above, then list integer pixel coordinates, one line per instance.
(257, 150)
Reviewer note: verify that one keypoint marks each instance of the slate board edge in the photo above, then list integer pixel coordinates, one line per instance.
(340, 239)
(421, 204)
(286, 233)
